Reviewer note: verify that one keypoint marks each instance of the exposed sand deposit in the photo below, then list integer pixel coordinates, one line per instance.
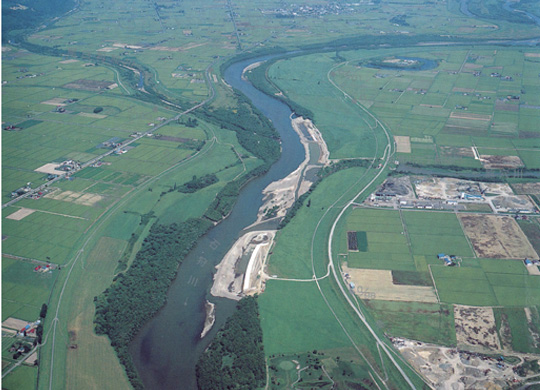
(241, 270)
(307, 131)
(280, 195)
(251, 67)
(210, 318)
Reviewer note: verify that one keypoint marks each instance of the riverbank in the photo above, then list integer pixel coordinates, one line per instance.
(280, 195)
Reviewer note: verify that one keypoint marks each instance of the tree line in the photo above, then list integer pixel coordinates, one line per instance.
(235, 359)
(136, 295)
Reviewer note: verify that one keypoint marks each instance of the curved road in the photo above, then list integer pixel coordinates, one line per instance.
(388, 153)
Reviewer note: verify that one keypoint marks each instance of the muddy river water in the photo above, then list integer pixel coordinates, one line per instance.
(167, 348)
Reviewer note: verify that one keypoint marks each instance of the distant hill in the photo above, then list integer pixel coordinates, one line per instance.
(19, 15)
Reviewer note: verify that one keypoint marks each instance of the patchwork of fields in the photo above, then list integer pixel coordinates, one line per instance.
(408, 248)
(107, 208)
(476, 110)
(474, 98)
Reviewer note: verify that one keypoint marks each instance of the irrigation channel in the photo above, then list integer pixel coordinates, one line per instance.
(166, 350)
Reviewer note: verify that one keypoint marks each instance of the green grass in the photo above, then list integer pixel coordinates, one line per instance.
(521, 336)
(296, 237)
(23, 290)
(427, 322)
(463, 285)
(433, 232)
(23, 378)
(361, 237)
(386, 247)
(286, 305)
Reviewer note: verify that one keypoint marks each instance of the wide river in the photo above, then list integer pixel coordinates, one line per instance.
(167, 348)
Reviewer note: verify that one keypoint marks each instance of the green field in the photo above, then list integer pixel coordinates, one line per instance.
(23, 290)
(73, 84)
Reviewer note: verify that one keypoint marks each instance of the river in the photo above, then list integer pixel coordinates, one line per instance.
(166, 350)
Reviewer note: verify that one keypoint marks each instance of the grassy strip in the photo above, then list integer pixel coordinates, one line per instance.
(235, 359)
(259, 78)
(323, 173)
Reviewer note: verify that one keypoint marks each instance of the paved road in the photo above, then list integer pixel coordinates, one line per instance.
(388, 154)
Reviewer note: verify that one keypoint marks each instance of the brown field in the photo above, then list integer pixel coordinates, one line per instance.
(527, 188)
(20, 214)
(500, 162)
(497, 237)
(474, 117)
(88, 85)
(452, 151)
(91, 115)
(55, 102)
(86, 199)
(49, 168)
(32, 359)
(403, 143)
(378, 284)
(506, 106)
(177, 49)
(14, 323)
(475, 327)
(68, 61)
(352, 242)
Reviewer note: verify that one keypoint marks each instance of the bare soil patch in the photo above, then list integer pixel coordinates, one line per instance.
(378, 284)
(500, 162)
(352, 241)
(55, 102)
(452, 151)
(447, 369)
(68, 61)
(85, 199)
(450, 188)
(514, 203)
(474, 117)
(50, 168)
(475, 327)
(32, 359)
(89, 85)
(527, 188)
(497, 237)
(20, 214)
(107, 49)
(91, 115)
(14, 323)
(506, 106)
(403, 143)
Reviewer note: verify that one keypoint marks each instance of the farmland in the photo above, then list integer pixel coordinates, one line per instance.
(106, 200)
(473, 97)
(108, 78)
